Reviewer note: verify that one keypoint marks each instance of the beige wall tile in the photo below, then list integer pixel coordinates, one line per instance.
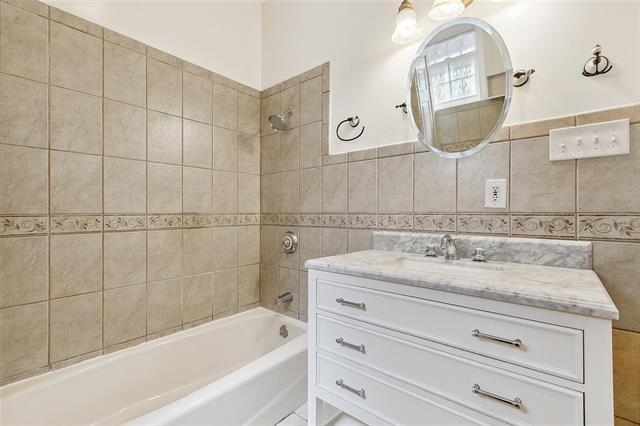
(164, 254)
(24, 335)
(197, 250)
(365, 154)
(290, 97)
(289, 148)
(326, 77)
(248, 114)
(225, 107)
(334, 188)
(270, 153)
(76, 121)
(289, 187)
(434, 184)
(125, 258)
(311, 145)
(124, 130)
(248, 285)
(76, 183)
(24, 272)
(397, 149)
(164, 305)
(269, 105)
(601, 181)
(24, 43)
(225, 247)
(268, 244)
(124, 41)
(125, 314)
(537, 184)
(165, 57)
(76, 326)
(33, 6)
(469, 125)
(74, 21)
(632, 112)
(125, 75)
(164, 141)
(288, 282)
(617, 266)
(198, 98)
(359, 239)
(303, 295)
(248, 153)
(225, 291)
(164, 188)
(626, 375)
(395, 184)
(268, 284)
(197, 190)
(334, 241)
(363, 186)
(270, 193)
(248, 193)
(311, 101)
(76, 264)
(164, 87)
(540, 127)
(490, 163)
(125, 188)
(310, 244)
(225, 149)
(248, 245)
(82, 72)
(326, 107)
(311, 190)
(23, 112)
(24, 177)
(197, 297)
(622, 422)
(225, 192)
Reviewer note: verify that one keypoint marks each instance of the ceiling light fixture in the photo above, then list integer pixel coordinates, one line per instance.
(447, 9)
(407, 29)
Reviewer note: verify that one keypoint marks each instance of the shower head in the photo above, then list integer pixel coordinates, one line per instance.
(278, 122)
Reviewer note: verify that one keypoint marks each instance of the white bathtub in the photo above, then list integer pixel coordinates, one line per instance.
(234, 371)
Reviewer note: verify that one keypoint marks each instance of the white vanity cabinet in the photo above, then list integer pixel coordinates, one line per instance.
(391, 353)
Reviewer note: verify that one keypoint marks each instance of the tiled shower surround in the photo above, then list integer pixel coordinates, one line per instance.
(141, 195)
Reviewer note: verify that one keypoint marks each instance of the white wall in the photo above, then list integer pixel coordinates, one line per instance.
(368, 71)
(223, 36)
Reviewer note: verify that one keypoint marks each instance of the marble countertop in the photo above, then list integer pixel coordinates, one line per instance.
(577, 291)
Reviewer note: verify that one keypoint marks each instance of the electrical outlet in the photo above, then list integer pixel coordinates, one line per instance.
(495, 193)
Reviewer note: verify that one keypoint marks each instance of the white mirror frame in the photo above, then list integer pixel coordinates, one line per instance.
(504, 52)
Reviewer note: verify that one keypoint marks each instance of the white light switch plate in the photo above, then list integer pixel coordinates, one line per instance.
(495, 193)
(591, 140)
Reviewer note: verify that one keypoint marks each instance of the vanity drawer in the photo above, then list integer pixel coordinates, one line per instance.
(391, 403)
(539, 346)
(451, 377)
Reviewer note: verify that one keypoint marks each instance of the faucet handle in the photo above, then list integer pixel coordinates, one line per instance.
(431, 251)
(478, 255)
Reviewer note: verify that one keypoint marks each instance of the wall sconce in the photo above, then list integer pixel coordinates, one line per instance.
(447, 9)
(407, 29)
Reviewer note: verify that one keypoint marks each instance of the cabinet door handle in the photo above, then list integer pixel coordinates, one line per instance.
(515, 342)
(341, 342)
(360, 392)
(355, 305)
(516, 402)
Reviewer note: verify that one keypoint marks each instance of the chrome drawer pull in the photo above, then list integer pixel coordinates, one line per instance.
(516, 342)
(341, 342)
(360, 392)
(343, 302)
(516, 402)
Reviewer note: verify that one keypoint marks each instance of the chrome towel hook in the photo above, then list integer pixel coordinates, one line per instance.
(521, 77)
(353, 122)
(597, 64)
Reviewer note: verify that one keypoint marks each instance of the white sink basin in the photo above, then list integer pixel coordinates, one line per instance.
(433, 264)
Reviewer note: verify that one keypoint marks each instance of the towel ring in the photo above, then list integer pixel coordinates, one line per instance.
(353, 122)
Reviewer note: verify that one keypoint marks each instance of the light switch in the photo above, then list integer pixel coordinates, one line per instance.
(495, 193)
(591, 140)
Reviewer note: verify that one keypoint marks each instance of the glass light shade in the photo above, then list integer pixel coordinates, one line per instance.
(446, 9)
(406, 27)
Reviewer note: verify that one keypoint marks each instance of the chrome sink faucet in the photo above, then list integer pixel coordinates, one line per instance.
(448, 247)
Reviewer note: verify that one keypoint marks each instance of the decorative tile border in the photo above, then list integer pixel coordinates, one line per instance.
(196, 220)
(269, 219)
(365, 221)
(288, 220)
(23, 225)
(224, 220)
(164, 221)
(435, 222)
(125, 223)
(80, 223)
(563, 226)
(623, 227)
(313, 219)
(483, 223)
(334, 220)
(248, 219)
(395, 221)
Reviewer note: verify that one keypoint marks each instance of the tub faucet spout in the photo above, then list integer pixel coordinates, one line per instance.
(284, 298)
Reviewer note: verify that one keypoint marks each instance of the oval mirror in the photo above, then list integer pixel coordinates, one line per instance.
(459, 88)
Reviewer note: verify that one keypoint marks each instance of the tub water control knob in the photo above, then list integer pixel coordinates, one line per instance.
(289, 243)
